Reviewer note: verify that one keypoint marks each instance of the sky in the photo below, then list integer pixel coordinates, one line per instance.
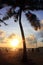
(13, 27)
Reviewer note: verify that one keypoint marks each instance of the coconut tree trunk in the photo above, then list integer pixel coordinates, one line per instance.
(23, 38)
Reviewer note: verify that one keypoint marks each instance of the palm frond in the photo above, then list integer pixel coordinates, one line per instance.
(11, 13)
(35, 22)
(5, 23)
(5, 17)
(8, 15)
(1, 21)
(15, 17)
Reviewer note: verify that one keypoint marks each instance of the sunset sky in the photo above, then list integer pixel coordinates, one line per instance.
(13, 27)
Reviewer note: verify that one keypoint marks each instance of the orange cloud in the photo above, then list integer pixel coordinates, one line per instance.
(2, 34)
(42, 25)
(5, 41)
(31, 36)
(12, 36)
(42, 22)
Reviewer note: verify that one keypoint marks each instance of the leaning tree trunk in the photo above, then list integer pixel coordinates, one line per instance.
(23, 38)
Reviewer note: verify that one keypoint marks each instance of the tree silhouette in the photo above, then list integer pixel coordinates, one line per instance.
(23, 6)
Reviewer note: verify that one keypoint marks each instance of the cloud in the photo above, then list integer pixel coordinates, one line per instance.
(4, 40)
(41, 21)
(39, 34)
(41, 30)
(12, 36)
(31, 36)
(41, 40)
(7, 40)
(31, 39)
(2, 35)
(42, 25)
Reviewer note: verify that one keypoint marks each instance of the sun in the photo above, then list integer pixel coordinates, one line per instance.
(14, 42)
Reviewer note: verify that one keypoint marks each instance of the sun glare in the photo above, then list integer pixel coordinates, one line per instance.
(14, 42)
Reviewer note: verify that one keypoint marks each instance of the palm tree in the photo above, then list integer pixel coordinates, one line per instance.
(23, 6)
